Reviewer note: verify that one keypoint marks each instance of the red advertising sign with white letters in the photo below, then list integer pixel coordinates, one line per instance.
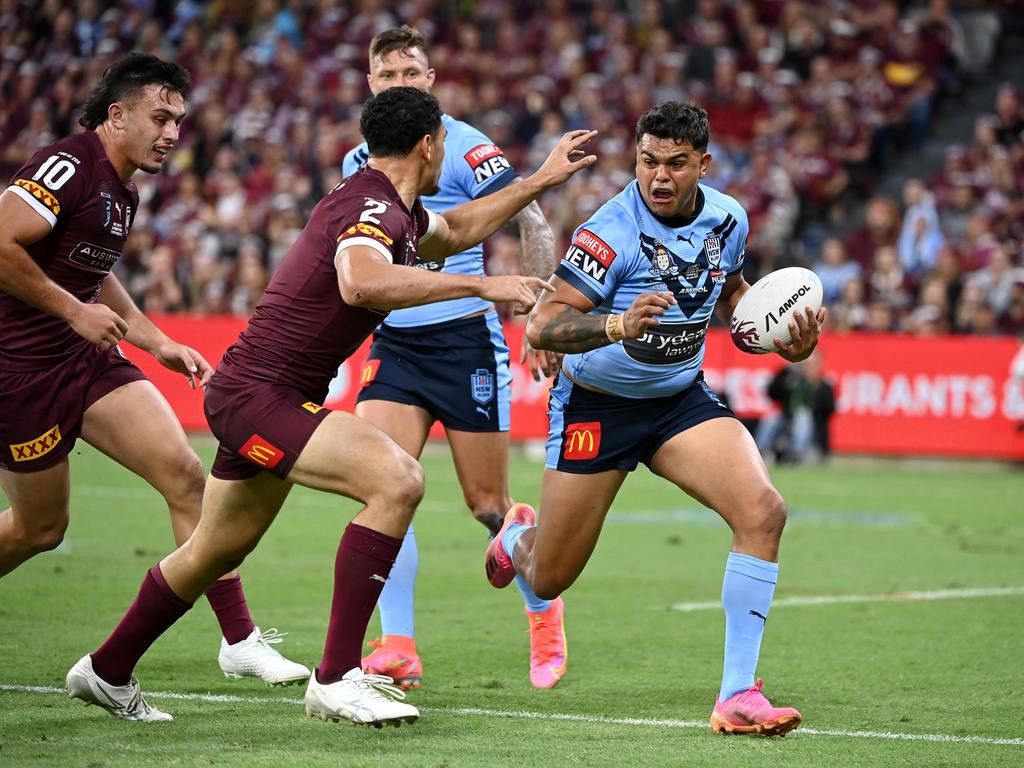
(897, 395)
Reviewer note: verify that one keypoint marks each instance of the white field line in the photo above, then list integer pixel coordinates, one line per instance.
(894, 597)
(594, 719)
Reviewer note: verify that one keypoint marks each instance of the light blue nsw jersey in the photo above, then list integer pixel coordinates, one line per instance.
(473, 167)
(625, 250)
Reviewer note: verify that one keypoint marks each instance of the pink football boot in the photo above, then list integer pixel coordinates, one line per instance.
(750, 712)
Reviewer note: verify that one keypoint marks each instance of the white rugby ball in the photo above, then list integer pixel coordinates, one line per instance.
(764, 312)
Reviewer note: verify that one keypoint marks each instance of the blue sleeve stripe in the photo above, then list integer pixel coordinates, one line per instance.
(579, 284)
(497, 183)
(735, 271)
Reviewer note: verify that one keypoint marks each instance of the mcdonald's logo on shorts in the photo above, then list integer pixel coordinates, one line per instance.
(369, 372)
(261, 451)
(312, 407)
(582, 440)
(38, 447)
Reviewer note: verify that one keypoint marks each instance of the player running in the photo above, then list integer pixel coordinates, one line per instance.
(64, 220)
(633, 298)
(353, 262)
(448, 362)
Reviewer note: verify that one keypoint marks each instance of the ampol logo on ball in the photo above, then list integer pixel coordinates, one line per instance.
(898, 395)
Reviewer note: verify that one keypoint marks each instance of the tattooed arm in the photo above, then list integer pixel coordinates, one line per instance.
(560, 322)
(536, 257)
(536, 241)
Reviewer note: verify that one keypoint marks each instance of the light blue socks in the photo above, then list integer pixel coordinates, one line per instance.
(396, 601)
(508, 540)
(746, 596)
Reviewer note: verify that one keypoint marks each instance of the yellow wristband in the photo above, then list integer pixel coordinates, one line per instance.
(613, 328)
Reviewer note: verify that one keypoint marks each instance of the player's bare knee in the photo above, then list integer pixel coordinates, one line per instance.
(550, 584)
(489, 510)
(47, 534)
(547, 588)
(771, 515)
(403, 490)
(185, 480)
(762, 518)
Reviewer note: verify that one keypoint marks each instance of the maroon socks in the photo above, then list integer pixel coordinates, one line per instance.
(361, 567)
(228, 601)
(153, 611)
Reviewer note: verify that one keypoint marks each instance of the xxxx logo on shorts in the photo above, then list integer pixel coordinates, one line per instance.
(261, 451)
(369, 372)
(41, 194)
(41, 446)
(312, 407)
(582, 440)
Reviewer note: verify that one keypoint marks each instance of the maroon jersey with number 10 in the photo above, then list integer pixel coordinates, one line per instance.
(73, 186)
(302, 330)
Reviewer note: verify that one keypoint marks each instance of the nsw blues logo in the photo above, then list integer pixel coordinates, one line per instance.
(713, 249)
(481, 385)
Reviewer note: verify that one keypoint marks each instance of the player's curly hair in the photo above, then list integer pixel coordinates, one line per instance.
(397, 39)
(127, 75)
(676, 120)
(394, 120)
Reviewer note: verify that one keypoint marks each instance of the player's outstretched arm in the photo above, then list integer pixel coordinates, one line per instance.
(475, 221)
(536, 257)
(143, 333)
(366, 279)
(22, 278)
(560, 322)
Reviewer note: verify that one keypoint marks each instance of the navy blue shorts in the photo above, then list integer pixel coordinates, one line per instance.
(456, 371)
(594, 432)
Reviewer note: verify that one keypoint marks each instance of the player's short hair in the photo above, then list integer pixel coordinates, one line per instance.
(676, 120)
(397, 39)
(394, 120)
(126, 76)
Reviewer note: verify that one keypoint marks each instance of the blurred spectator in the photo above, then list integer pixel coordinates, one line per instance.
(849, 313)
(920, 237)
(807, 102)
(881, 228)
(1009, 116)
(834, 269)
(799, 431)
(996, 281)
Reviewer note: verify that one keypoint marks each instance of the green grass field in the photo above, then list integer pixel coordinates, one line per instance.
(882, 680)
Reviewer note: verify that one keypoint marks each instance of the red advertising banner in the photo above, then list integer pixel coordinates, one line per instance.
(898, 395)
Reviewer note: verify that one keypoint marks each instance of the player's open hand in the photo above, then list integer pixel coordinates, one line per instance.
(566, 158)
(522, 291)
(541, 363)
(804, 330)
(186, 361)
(644, 312)
(99, 324)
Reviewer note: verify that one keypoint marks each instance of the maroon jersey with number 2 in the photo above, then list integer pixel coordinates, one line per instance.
(263, 403)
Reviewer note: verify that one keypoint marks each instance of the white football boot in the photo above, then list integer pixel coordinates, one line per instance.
(363, 699)
(253, 657)
(123, 701)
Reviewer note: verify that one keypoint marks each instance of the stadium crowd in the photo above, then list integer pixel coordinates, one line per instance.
(808, 102)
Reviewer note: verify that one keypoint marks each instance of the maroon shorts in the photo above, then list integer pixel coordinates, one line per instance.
(41, 411)
(260, 426)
